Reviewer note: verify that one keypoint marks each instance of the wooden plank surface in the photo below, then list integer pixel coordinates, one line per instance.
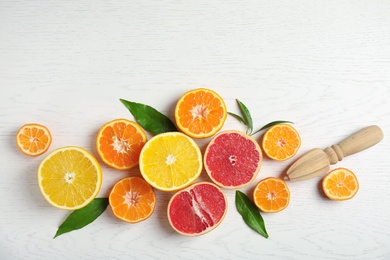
(325, 65)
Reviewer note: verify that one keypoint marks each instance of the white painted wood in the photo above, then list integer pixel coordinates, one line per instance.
(325, 65)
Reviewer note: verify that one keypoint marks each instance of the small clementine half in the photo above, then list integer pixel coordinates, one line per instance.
(340, 184)
(271, 195)
(200, 113)
(281, 142)
(119, 143)
(33, 139)
(132, 199)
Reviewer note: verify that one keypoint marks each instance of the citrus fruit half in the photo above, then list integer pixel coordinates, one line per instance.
(200, 113)
(69, 177)
(33, 139)
(132, 199)
(232, 159)
(340, 184)
(197, 209)
(119, 143)
(271, 195)
(281, 142)
(170, 161)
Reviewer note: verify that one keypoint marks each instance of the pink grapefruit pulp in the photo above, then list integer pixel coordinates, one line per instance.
(198, 209)
(232, 159)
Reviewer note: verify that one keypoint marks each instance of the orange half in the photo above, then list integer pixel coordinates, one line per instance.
(119, 143)
(132, 199)
(200, 113)
(340, 184)
(271, 195)
(281, 142)
(33, 139)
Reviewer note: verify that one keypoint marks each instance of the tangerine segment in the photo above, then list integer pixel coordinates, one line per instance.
(197, 209)
(281, 142)
(69, 177)
(132, 199)
(232, 159)
(119, 143)
(271, 195)
(200, 113)
(340, 184)
(170, 161)
(33, 139)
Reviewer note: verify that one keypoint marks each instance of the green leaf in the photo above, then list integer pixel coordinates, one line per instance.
(149, 118)
(242, 120)
(246, 115)
(272, 124)
(250, 213)
(84, 216)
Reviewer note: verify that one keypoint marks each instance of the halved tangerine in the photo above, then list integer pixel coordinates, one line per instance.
(281, 142)
(33, 139)
(200, 113)
(119, 143)
(271, 195)
(340, 184)
(132, 199)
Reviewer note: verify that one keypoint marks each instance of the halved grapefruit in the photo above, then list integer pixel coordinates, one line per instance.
(232, 159)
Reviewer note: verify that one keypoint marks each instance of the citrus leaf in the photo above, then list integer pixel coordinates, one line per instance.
(246, 115)
(149, 118)
(272, 124)
(84, 216)
(250, 213)
(242, 120)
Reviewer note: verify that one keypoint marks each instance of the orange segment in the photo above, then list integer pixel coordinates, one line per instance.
(200, 113)
(33, 139)
(119, 143)
(281, 142)
(340, 184)
(132, 199)
(69, 177)
(271, 195)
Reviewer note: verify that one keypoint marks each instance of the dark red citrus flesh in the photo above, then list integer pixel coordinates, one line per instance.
(233, 159)
(197, 209)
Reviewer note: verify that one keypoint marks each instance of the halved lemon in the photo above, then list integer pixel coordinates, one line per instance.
(69, 177)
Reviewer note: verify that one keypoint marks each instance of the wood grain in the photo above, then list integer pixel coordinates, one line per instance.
(325, 65)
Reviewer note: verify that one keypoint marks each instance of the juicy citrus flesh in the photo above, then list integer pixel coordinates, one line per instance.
(119, 143)
(33, 139)
(170, 161)
(232, 159)
(197, 209)
(69, 177)
(340, 184)
(271, 195)
(200, 113)
(281, 142)
(132, 199)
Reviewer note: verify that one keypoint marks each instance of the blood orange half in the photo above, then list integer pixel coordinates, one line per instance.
(198, 209)
(232, 159)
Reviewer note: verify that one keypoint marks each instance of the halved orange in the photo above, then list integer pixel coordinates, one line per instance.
(271, 195)
(69, 177)
(119, 143)
(340, 184)
(281, 142)
(33, 139)
(132, 199)
(170, 161)
(200, 113)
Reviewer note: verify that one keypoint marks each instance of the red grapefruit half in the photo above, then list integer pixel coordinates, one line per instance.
(232, 159)
(197, 209)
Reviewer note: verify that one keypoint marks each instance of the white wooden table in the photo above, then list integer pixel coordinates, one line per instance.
(325, 65)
